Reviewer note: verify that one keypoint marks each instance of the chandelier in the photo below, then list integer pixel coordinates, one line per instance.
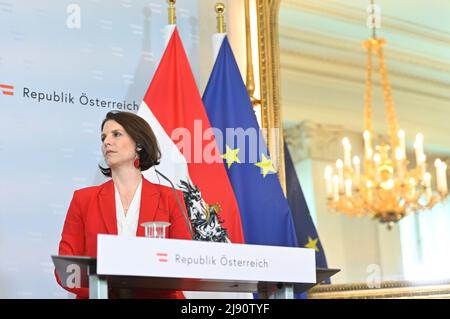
(387, 187)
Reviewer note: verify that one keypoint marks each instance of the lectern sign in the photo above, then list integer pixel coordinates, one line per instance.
(140, 256)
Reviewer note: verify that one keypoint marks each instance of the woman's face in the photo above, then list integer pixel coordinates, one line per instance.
(118, 147)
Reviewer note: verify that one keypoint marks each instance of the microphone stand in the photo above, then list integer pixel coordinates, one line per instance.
(186, 219)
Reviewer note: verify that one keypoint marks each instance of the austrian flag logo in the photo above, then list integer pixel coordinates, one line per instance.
(7, 89)
(162, 257)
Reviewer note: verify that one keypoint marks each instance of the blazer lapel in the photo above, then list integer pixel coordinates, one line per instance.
(107, 203)
(149, 205)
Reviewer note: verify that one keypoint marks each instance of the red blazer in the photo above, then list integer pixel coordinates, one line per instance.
(93, 211)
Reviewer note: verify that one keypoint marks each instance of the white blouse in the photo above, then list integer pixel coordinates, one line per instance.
(127, 224)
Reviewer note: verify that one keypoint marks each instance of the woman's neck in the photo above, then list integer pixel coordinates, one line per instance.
(126, 179)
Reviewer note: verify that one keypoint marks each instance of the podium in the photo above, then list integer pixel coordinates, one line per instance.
(125, 263)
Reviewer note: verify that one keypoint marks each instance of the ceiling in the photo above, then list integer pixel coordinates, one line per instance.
(323, 65)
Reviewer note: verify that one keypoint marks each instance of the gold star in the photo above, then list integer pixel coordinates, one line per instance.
(312, 243)
(266, 165)
(231, 156)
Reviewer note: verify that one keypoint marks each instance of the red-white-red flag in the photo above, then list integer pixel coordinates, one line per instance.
(174, 109)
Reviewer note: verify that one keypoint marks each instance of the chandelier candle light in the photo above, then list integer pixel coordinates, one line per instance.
(386, 189)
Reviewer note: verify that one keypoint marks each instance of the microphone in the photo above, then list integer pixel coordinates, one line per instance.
(186, 219)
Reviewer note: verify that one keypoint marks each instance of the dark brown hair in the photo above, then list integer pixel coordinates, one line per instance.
(141, 133)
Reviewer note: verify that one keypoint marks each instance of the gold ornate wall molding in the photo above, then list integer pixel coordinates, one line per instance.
(269, 65)
(385, 290)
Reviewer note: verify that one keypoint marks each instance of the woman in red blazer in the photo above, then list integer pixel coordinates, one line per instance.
(129, 147)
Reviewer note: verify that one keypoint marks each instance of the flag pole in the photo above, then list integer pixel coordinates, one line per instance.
(170, 28)
(220, 10)
(172, 12)
(217, 38)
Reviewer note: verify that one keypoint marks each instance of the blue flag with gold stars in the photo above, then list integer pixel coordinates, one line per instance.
(265, 214)
(306, 231)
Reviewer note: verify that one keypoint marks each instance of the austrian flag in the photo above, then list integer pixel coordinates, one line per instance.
(190, 156)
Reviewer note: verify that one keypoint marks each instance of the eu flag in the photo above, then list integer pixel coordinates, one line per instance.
(265, 214)
(306, 231)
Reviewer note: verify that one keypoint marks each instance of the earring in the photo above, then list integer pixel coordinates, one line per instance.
(137, 163)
